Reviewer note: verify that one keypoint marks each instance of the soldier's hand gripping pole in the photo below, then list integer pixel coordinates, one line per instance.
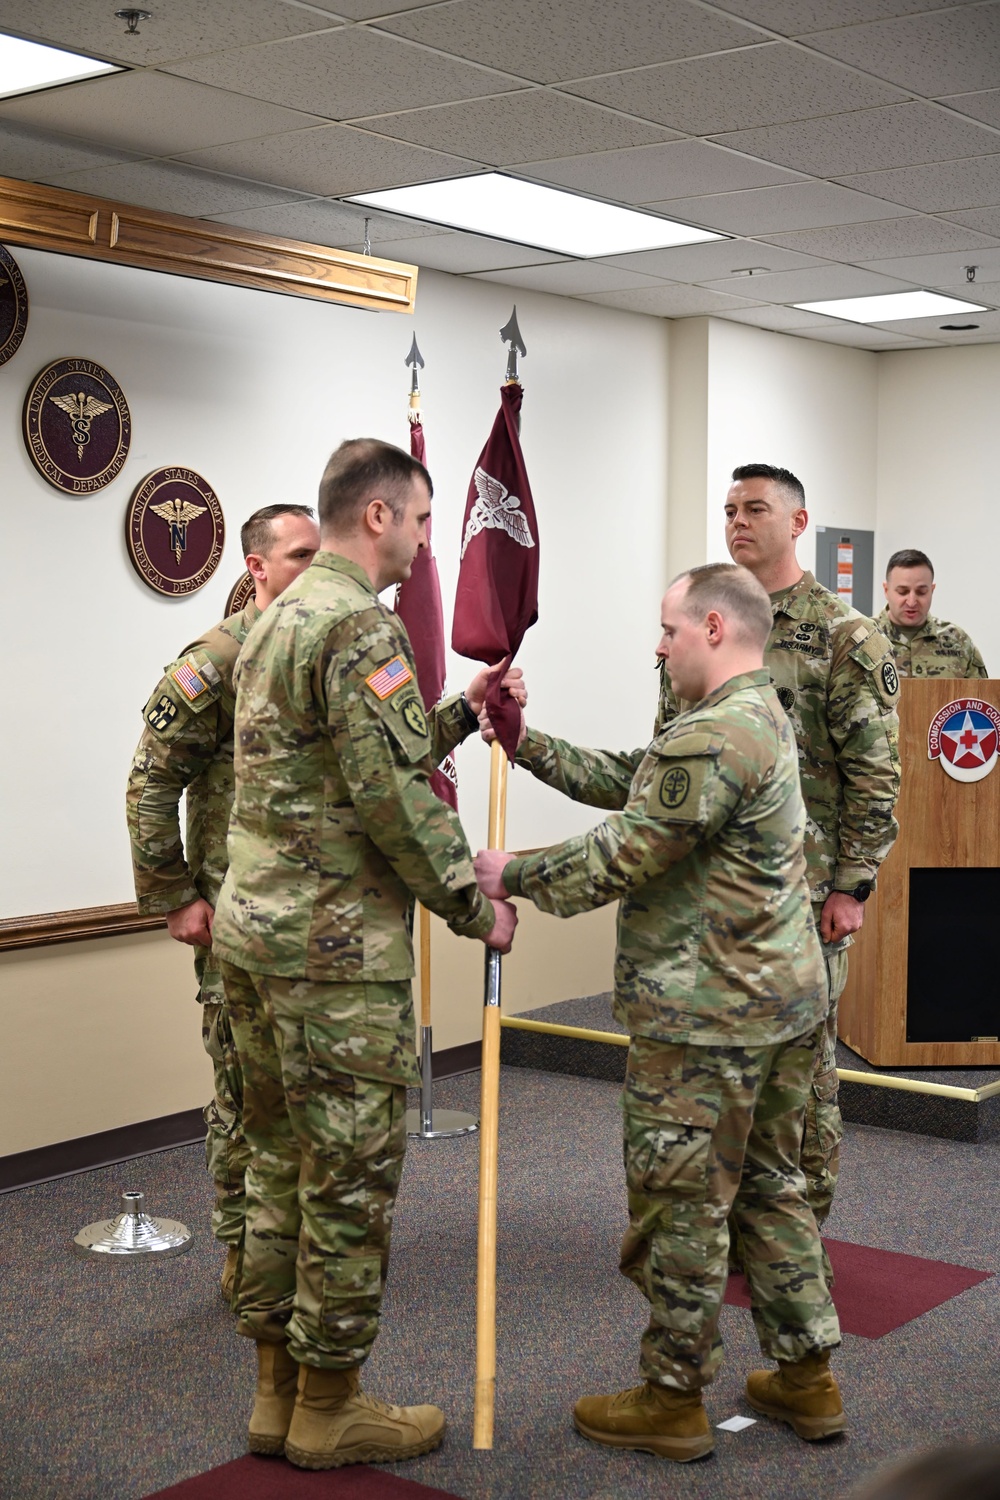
(486, 1281)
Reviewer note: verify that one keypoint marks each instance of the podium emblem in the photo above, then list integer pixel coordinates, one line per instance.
(965, 737)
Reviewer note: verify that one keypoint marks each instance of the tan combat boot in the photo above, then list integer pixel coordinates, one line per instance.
(334, 1423)
(277, 1373)
(653, 1418)
(804, 1394)
(229, 1272)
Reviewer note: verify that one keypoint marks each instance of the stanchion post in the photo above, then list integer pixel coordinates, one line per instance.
(486, 1280)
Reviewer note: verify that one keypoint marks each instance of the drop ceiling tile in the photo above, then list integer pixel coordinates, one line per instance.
(37, 155)
(709, 262)
(859, 336)
(171, 188)
(332, 160)
(182, 28)
(738, 90)
(793, 205)
(532, 125)
(655, 174)
(940, 187)
(668, 301)
(343, 74)
(914, 235)
(462, 253)
(814, 285)
(986, 220)
(152, 113)
(944, 270)
(573, 278)
(365, 10)
(777, 318)
(540, 39)
(930, 328)
(791, 17)
(983, 106)
(940, 53)
(896, 135)
(320, 222)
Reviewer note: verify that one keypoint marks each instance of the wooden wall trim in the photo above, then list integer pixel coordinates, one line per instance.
(48, 218)
(43, 928)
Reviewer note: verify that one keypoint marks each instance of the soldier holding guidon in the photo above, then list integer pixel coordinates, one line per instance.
(720, 983)
(187, 747)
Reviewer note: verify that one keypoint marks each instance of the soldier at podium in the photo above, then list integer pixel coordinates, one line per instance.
(835, 676)
(923, 645)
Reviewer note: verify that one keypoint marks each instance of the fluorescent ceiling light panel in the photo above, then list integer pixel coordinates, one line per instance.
(891, 307)
(529, 213)
(25, 66)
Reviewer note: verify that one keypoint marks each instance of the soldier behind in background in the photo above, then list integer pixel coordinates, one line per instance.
(335, 831)
(923, 646)
(187, 746)
(836, 680)
(720, 984)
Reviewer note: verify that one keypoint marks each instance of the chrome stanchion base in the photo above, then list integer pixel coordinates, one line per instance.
(443, 1122)
(133, 1232)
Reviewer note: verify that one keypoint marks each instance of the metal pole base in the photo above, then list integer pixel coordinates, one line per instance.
(133, 1232)
(443, 1122)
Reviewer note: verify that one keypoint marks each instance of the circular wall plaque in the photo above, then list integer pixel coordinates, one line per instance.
(77, 426)
(240, 595)
(13, 306)
(175, 531)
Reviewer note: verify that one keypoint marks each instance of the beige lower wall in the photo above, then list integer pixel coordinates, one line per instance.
(107, 1033)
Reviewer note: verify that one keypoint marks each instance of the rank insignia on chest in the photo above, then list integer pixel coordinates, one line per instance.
(191, 684)
(414, 716)
(389, 678)
(162, 714)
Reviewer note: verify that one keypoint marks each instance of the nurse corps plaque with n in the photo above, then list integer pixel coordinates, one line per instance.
(175, 531)
(77, 426)
(13, 306)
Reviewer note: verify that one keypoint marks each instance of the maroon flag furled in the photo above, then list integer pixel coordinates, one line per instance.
(418, 604)
(497, 596)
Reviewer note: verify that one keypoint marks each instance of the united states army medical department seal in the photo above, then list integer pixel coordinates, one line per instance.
(13, 306)
(77, 426)
(175, 531)
(240, 595)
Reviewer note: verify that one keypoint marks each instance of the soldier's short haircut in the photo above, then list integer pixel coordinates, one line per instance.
(735, 593)
(909, 557)
(794, 490)
(361, 470)
(257, 533)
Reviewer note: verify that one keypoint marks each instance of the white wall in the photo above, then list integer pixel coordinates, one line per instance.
(939, 477)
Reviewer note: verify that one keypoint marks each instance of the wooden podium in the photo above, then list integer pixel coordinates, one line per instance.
(924, 976)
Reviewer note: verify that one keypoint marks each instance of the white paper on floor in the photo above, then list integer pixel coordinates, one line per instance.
(736, 1424)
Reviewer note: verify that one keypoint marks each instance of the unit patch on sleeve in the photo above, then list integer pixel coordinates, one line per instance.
(674, 787)
(889, 679)
(190, 682)
(389, 678)
(161, 714)
(414, 715)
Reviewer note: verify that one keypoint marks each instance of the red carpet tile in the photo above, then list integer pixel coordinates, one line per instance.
(252, 1478)
(876, 1291)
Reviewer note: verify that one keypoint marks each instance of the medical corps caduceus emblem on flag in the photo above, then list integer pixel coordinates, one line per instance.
(965, 737)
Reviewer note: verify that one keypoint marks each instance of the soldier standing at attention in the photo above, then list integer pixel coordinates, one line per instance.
(719, 982)
(187, 746)
(335, 830)
(923, 645)
(834, 674)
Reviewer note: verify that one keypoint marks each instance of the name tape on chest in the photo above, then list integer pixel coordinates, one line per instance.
(389, 678)
(191, 682)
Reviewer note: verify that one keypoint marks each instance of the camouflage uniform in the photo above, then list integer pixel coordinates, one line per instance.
(934, 649)
(187, 746)
(835, 677)
(719, 982)
(335, 830)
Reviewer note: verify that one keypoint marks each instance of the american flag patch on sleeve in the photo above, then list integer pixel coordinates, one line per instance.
(189, 682)
(395, 674)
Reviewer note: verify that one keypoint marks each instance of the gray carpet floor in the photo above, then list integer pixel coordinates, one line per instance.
(125, 1378)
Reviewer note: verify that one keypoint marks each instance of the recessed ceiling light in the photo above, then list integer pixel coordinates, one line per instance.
(25, 66)
(891, 307)
(958, 327)
(529, 213)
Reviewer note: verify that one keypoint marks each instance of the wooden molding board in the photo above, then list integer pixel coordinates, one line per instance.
(73, 926)
(48, 218)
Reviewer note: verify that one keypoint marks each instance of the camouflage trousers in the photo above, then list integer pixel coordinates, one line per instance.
(226, 1151)
(709, 1130)
(326, 1152)
(824, 1129)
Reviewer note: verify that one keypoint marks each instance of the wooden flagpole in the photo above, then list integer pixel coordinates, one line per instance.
(486, 1282)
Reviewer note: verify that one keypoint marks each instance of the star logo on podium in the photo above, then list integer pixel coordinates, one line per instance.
(965, 737)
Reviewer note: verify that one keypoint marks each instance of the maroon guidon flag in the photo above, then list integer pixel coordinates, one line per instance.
(497, 596)
(418, 605)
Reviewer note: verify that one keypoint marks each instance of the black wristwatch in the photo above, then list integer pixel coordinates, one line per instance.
(471, 718)
(862, 891)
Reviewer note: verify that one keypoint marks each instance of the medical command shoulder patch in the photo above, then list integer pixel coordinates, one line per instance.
(191, 684)
(162, 713)
(389, 678)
